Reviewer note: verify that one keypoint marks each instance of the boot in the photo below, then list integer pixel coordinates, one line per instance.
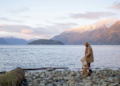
(90, 72)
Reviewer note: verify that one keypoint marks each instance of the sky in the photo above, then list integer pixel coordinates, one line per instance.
(44, 19)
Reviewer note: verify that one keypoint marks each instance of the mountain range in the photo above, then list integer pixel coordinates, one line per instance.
(14, 41)
(2, 41)
(94, 34)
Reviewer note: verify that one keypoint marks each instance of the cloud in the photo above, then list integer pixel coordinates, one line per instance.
(65, 24)
(44, 32)
(26, 17)
(55, 29)
(14, 28)
(26, 32)
(92, 15)
(62, 17)
(9, 20)
(47, 0)
(107, 21)
(17, 35)
(20, 31)
(25, 9)
(38, 25)
(116, 6)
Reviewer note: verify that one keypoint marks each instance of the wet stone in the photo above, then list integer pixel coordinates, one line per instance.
(105, 77)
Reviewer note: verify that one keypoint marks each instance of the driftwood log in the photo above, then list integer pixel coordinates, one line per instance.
(43, 68)
(12, 78)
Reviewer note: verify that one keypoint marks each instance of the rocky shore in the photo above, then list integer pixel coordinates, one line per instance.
(50, 77)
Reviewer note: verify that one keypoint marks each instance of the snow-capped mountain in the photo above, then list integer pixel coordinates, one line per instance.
(86, 28)
(92, 33)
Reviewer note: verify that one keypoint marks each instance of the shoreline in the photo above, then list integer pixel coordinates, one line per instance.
(49, 77)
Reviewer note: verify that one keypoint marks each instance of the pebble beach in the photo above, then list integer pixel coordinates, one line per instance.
(51, 77)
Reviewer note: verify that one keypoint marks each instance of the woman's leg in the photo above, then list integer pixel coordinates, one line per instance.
(88, 65)
(90, 71)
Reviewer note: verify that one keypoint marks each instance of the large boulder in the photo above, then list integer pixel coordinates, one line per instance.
(12, 78)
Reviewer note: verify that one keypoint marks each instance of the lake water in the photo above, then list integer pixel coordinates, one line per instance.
(36, 56)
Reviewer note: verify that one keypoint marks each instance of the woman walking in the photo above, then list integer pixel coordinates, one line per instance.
(89, 56)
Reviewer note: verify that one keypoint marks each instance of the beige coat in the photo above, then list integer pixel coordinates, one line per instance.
(89, 54)
(84, 63)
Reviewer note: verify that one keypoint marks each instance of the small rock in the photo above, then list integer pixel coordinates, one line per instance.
(43, 75)
(65, 84)
(27, 74)
(50, 69)
(93, 85)
(30, 85)
(105, 72)
(78, 84)
(34, 77)
(113, 84)
(81, 84)
(50, 85)
(89, 78)
(41, 84)
(73, 74)
(97, 72)
(89, 84)
(58, 83)
(36, 74)
(104, 84)
(110, 79)
(35, 84)
(106, 69)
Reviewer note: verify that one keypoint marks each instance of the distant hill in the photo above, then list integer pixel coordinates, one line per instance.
(2, 41)
(94, 35)
(14, 41)
(45, 42)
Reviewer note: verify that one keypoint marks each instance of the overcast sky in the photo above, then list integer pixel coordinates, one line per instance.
(45, 18)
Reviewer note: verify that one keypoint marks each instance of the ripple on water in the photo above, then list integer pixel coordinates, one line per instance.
(27, 56)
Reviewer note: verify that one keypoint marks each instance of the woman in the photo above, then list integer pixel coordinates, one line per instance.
(89, 56)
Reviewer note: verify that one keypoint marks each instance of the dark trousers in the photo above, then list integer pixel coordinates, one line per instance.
(90, 71)
(88, 64)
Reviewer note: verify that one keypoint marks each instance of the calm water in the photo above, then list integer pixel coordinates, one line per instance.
(34, 56)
